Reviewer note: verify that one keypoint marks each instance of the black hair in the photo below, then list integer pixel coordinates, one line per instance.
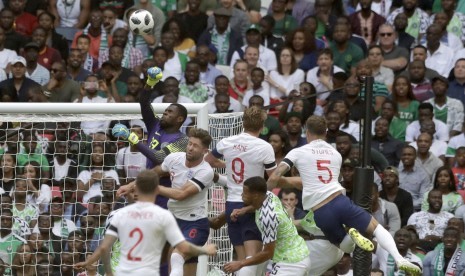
(256, 184)
(182, 111)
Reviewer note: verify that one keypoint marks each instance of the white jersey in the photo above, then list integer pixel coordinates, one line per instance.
(194, 207)
(143, 229)
(319, 165)
(246, 156)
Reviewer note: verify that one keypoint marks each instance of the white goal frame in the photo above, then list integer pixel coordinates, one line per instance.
(12, 110)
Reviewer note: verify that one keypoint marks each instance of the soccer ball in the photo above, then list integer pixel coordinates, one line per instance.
(141, 21)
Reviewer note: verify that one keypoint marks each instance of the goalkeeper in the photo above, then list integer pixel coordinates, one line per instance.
(164, 136)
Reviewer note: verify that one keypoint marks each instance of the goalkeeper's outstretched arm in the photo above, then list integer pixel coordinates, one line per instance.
(158, 156)
(154, 75)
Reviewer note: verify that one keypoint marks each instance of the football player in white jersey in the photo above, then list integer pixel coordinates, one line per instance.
(143, 229)
(191, 177)
(245, 156)
(319, 165)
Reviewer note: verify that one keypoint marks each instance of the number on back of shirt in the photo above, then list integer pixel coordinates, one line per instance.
(135, 233)
(238, 167)
(323, 167)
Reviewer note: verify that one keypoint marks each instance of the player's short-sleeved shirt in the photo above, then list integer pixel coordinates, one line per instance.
(246, 156)
(194, 207)
(319, 166)
(143, 229)
(276, 225)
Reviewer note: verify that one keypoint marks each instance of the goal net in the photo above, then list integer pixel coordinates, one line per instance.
(55, 148)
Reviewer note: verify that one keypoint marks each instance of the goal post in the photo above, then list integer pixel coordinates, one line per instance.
(219, 126)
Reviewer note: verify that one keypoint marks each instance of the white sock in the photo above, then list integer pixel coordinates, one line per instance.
(386, 241)
(250, 270)
(347, 245)
(177, 265)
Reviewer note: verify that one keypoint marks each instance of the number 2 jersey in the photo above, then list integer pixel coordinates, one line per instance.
(246, 156)
(194, 207)
(319, 165)
(143, 228)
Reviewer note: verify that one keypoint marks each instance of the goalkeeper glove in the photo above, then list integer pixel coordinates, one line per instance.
(121, 131)
(154, 75)
(133, 138)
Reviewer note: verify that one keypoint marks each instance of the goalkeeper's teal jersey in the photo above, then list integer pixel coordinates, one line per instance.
(277, 226)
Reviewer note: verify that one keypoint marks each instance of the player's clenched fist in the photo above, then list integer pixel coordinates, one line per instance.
(210, 249)
(154, 75)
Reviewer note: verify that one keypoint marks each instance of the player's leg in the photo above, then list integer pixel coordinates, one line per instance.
(252, 244)
(386, 241)
(234, 230)
(323, 255)
(301, 268)
(195, 232)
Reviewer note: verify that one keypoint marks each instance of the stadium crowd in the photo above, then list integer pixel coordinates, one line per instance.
(59, 180)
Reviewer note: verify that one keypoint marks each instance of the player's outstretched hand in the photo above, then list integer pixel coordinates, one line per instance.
(80, 266)
(120, 131)
(210, 249)
(232, 266)
(125, 189)
(236, 213)
(154, 75)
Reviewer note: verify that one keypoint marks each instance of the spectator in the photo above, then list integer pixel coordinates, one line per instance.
(419, 53)
(403, 242)
(405, 40)
(192, 88)
(221, 29)
(385, 211)
(88, 226)
(8, 171)
(47, 56)
(222, 102)
(351, 94)
(83, 44)
(346, 53)
(59, 88)
(111, 22)
(53, 40)
(412, 176)
(425, 113)
(239, 83)
(35, 71)
(194, 18)
(395, 57)
(290, 200)
(381, 73)
(20, 226)
(455, 143)
(31, 153)
(430, 224)
(99, 39)
(421, 86)
(445, 182)
(39, 193)
(271, 124)
(380, 91)
(129, 160)
(24, 21)
(370, 20)
(283, 80)
(111, 89)
(347, 173)
(222, 87)
(293, 127)
(343, 108)
(44, 229)
(269, 40)
(182, 43)
(171, 86)
(305, 47)
(446, 109)
(418, 20)
(23, 263)
(75, 245)
(208, 72)
(402, 95)
(19, 83)
(7, 56)
(333, 120)
(132, 56)
(21, 208)
(134, 85)
(440, 56)
(436, 261)
(456, 20)
(284, 22)
(75, 69)
(62, 165)
(279, 140)
(116, 56)
(429, 160)
(65, 267)
(448, 38)
(13, 40)
(457, 84)
(73, 210)
(253, 38)
(459, 171)
(176, 62)
(438, 148)
(10, 242)
(322, 75)
(390, 147)
(326, 18)
(74, 16)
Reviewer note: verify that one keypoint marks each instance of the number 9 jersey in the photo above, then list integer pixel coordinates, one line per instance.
(319, 165)
(246, 156)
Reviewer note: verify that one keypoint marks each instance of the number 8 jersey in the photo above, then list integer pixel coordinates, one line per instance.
(319, 165)
(246, 156)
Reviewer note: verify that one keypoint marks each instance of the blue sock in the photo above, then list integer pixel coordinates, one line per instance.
(164, 269)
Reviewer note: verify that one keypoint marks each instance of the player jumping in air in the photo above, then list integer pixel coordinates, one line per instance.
(245, 156)
(319, 166)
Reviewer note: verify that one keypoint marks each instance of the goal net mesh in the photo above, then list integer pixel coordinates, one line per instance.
(53, 154)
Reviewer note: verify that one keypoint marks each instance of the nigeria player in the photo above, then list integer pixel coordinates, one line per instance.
(281, 242)
(143, 228)
(245, 156)
(191, 177)
(319, 166)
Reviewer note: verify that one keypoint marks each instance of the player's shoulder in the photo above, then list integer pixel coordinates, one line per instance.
(176, 156)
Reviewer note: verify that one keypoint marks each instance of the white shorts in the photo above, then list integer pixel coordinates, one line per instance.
(323, 254)
(301, 268)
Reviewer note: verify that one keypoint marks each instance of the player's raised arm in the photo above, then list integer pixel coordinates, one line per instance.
(154, 75)
(106, 246)
(275, 177)
(213, 159)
